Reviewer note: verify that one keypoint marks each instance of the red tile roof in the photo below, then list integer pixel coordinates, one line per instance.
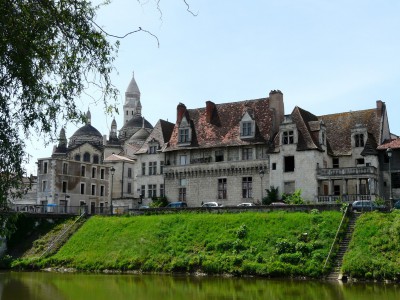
(224, 128)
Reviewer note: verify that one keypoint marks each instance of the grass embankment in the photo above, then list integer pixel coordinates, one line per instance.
(264, 244)
(374, 252)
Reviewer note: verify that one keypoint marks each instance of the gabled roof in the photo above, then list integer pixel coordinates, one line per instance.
(222, 127)
(306, 123)
(161, 133)
(339, 126)
(393, 144)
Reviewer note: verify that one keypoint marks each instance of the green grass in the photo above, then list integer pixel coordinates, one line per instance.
(276, 244)
(374, 252)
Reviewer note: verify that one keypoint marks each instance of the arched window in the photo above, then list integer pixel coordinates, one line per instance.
(86, 157)
(95, 159)
(77, 157)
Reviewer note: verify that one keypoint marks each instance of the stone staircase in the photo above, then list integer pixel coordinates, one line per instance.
(343, 245)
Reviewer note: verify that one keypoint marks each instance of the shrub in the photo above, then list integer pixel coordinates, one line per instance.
(272, 196)
(284, 246)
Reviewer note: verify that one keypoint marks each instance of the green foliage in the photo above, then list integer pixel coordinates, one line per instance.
(159, 202)
(374, 250)
(264, 244)
(272, 196)
(294, 198)
(51, 52)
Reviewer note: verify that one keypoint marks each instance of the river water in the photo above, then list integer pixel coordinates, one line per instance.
(56, 286)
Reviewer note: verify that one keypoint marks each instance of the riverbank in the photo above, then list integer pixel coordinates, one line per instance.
(275, 244)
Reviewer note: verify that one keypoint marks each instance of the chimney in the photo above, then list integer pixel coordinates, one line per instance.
(104, 139)
(380, 106)
(210, 111)
(276, 104)
(181, 109)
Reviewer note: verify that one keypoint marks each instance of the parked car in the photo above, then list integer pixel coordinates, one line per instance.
(176, 205)
(211, 204)
(365, 205)
(397, 204)
(144, 207)
(246, 204)
(278, 203)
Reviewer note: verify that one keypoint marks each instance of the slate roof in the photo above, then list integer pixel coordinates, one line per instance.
(161, 133)
(339, 126)
(224, 129)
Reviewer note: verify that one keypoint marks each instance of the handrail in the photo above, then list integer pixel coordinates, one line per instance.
(336, 236)
(61, 235)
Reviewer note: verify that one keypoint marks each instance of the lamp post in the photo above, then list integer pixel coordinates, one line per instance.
(112, 170)
(261, 178)
(389, 153)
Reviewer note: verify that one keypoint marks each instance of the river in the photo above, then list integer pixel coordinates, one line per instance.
(57, 286)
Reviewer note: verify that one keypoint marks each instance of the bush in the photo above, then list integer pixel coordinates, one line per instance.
(272, 196)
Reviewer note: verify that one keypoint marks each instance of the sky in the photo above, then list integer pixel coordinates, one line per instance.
(325, 56)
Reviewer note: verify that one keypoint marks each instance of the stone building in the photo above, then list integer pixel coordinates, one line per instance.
(234, 152)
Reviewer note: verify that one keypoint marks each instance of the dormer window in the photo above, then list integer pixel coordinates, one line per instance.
(247, 127)
(359, 140)
(152, 149)
(184, 133)
(184, 136)
(287, 137)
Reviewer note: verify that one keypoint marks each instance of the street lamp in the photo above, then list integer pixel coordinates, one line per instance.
(261, 178)
(112, 170)
(389, 153)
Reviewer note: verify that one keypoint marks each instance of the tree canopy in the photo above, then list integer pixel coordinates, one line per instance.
(51, 52)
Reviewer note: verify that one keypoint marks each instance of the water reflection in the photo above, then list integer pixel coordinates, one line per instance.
(43, 286)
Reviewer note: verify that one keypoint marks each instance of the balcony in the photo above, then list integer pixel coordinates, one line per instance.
(225, 168)
(346, 173)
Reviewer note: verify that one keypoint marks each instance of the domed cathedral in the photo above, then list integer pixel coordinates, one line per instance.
(75, 175)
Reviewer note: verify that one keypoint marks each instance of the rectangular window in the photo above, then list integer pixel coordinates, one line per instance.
(273, 166)
(247, 187)
(102, 174)
(93, 190)
(289, 187)
(182, 194)
(44, 185)
(65, 168)
(152, 190)
(183, 135)
(359, 140)
(289, 164)
(143, 168)
(152, 168)
(83, 171)
(161, 167)
(247, 154)
(64, 187)
(162, 190)
(82, 189)
(219, 155)
(246, 129)
(183, 160)
(143, 190)
(222, 188)
(45, 166)
(129, 172)
(360, 161)
(93, 172)
(102, 188)
(335, 162)
(129, 188)
(152, 149)
(287, 137)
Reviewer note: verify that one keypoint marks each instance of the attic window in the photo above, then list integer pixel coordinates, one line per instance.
(247, 129)
(152, 149)
(359, 140)
(184, 135)
(287, 137)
